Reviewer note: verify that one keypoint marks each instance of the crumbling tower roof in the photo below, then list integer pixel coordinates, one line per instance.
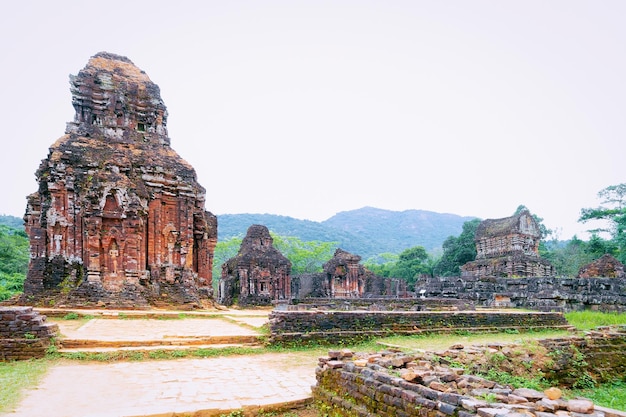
(114, 98)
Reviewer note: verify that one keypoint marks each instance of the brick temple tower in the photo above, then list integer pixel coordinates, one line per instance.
(119, 217)
(508, 247)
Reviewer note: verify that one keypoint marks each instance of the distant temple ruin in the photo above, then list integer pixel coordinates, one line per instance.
(508, 247)
(119, 217)
(258, 275)
(344, 277)
(606, 266)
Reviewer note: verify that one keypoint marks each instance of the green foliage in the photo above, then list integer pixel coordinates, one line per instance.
(611, 395)
(367, 231)
(16, 377)
(305, 257)
(12, 221)
(589, 320)
(14, 256)
(224, 250)
(235, 413)
(457, 251)
(566, 257)
(409, 265)
(382, 264)
(614, 213)
(506, 378)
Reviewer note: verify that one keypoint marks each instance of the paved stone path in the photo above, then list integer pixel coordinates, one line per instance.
(166, 387)
(152, 329)
(198, 387)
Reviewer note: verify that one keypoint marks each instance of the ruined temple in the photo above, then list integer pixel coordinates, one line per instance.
(606, 267)
(345, 276)
(508, 247)
(258, 275)
(119, 218)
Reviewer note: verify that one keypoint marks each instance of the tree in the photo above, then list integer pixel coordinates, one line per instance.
(224, 251)
(457, 251)
(411, 263)
(305, 257)
(612, 211)
(567, 257)
(14, 255)
(382, 264)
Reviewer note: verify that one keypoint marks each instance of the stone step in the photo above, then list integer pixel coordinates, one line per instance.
(167, 341)
(166, 348)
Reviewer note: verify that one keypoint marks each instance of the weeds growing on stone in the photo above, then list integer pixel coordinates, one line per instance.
(612, 395)
(505, 378)
(235, 413)
(158, 354)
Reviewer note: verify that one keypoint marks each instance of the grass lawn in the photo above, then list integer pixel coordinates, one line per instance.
(16, 377)
(587, 320)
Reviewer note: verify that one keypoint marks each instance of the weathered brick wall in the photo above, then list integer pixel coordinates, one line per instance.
(333, 326)
(24, 333)
(538, 293)
(397, 384)
(598, 355)
(381, 304)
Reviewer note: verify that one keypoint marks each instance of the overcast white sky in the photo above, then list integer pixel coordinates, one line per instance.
(309, 108)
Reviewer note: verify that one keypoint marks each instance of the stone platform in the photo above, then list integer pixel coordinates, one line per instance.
(198, 387)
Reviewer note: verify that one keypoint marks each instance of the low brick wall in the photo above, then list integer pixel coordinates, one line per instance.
(346, 326)
(598, 354)
(398, 384)
(380, 304)
(24, 334)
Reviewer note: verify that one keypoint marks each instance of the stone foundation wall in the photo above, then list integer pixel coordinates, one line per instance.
(380, 304)
(397, 384)
(598, 355)
(24, 334)
(539, 293)
(335, 326)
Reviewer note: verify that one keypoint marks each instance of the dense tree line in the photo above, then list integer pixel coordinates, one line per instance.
(14, 255)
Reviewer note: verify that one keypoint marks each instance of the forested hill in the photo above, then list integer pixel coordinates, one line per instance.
(366, 232)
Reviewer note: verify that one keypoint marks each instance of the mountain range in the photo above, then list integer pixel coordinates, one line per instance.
(366, 232)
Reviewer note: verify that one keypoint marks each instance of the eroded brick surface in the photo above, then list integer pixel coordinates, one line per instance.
(119, 217)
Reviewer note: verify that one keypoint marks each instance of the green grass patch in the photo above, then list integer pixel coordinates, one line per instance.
(160, 354)
(16, 377)
(611, 395)
(444, 341)
(587, 320)
(537, 383)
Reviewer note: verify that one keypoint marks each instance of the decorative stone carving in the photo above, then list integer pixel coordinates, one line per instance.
(258, 275)
(606, 266)
(345, 276)
(508, 247)
(119, 216)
